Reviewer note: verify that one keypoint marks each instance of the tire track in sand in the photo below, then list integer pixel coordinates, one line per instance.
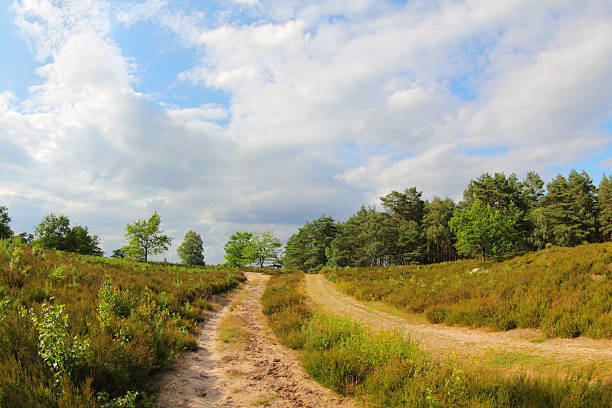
(548, 356)
(260, 373)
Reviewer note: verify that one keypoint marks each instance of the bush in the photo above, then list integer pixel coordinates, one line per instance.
(74, 328)
(563, 291)
(384, 369)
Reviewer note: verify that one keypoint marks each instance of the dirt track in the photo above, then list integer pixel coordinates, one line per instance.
(249, 373)
(515, 348)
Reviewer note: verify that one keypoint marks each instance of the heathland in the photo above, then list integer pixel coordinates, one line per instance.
(86, 331)
(384, 368)
(565, 292)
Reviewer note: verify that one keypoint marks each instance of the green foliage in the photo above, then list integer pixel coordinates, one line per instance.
(563, 291)
(481, 229)
(568, 213)
(118, 254)
(125, 401)
(286, 306)
(54, 346)
(406, 210)
(385, 369)
(267, 249)
(145, 238)
(5, 230)
(414, 231)
(133, 316)
(239, 250)
(55, 233)
(438, 235)
(604, 199)
(18, 265)
(309, 248)
(191, 250)
(112, 302)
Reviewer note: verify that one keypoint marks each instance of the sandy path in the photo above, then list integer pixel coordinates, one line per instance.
(256, 372)
(442, 339)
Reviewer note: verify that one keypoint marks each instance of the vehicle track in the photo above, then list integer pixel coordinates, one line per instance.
(256, 372)
(518, 346)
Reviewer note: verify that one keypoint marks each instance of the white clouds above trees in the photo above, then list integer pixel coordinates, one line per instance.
(327, 101)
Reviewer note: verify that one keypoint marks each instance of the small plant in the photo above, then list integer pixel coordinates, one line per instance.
(126, 401)
(58, 353)
(18, 263)
(38, 252)
(58, 273)
(112, 302)
(5, 306)
(177, 282)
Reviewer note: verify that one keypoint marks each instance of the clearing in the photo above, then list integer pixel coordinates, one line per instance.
(524, 350)
(239, 364)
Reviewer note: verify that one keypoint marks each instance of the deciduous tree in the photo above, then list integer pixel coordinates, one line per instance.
(191, 250)
(267, 248)
(481, 229)
(239, 250)
(145, 238)
(5, 230)
(54, 232)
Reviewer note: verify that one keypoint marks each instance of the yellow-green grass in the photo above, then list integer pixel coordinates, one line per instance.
(566, 292)
(81, 331)
(232, 331)
(383, 368)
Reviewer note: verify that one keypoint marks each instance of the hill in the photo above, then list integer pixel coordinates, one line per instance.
(566, 292)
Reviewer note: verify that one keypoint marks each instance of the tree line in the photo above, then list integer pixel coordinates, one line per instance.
(144, 238)
(498, 214)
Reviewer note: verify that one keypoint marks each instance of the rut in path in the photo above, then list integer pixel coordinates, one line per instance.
(441, 339)
(258, 373)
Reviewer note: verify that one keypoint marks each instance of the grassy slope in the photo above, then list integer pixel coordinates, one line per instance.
(123, 320)
(567, 292)
(384, 369)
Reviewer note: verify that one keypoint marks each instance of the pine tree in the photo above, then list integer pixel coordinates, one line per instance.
(604, 198)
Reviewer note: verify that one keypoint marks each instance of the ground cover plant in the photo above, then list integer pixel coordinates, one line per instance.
(84, 331)
(385, 369)
(566, 292)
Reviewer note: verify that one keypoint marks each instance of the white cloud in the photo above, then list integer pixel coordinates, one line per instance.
(130, 13)
(327, 100)
(606, 164)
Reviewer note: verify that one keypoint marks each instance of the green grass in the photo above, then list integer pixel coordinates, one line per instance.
(81, 331)
(382, 368)
(508, 359)
(563, 291)
(231, 331)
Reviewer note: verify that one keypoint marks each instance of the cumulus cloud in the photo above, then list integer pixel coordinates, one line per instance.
(330, 104)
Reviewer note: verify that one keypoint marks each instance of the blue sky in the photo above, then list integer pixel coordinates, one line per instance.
(254, 115)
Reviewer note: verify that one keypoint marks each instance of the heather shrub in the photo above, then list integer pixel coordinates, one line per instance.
(85, 331)
(385, 369)
(563, 291)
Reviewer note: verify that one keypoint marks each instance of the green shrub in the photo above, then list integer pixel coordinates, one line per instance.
(385, 369)
(563, 291)
(54, 304)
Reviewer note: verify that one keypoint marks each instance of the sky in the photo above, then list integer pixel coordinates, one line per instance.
(234, 115)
